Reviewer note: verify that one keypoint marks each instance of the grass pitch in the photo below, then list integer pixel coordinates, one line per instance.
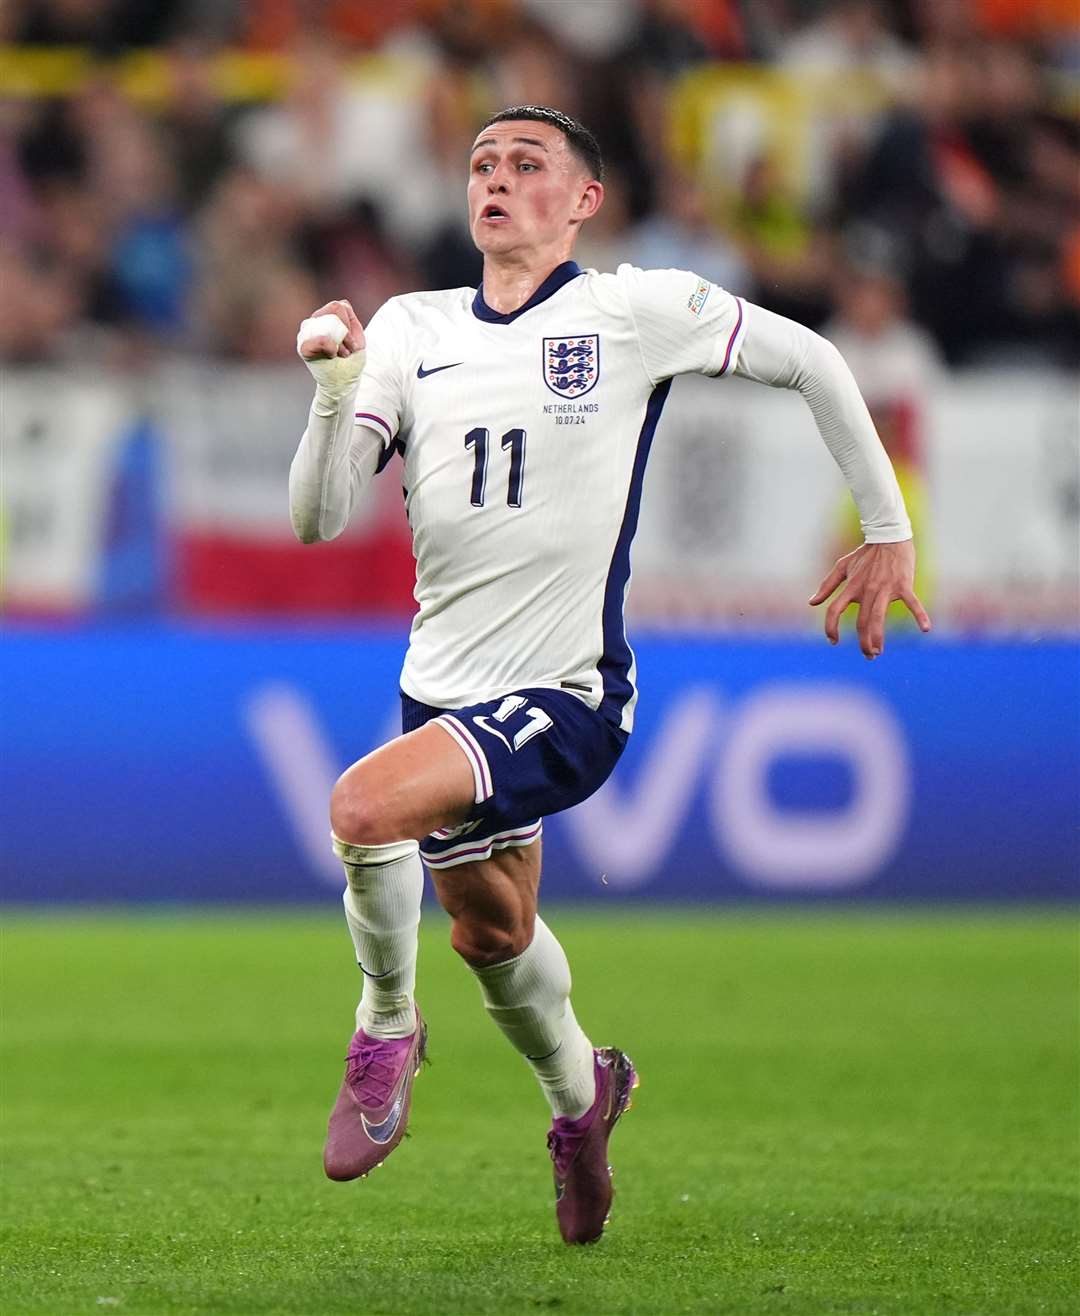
(849, 1113)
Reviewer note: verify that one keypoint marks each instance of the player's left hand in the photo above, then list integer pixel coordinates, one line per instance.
(876, 574)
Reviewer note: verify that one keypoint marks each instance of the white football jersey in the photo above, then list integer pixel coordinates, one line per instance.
(525, 438)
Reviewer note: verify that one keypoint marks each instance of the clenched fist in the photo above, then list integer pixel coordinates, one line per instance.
(319, 340)
(331, 344)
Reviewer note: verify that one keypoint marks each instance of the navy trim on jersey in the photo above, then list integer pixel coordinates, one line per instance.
(560, 275)
(386, 456)
(614, 665)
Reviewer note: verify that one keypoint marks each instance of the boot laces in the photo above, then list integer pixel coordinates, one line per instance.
(366, 1066)
(563, 1147)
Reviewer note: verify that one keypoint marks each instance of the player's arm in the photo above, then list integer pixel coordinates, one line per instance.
(337, 458)
(785, 354)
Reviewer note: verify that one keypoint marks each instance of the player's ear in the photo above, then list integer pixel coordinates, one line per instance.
(589, 201)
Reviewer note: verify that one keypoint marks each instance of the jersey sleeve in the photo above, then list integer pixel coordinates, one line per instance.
(380, 395)
(785, 354)
(684, 323)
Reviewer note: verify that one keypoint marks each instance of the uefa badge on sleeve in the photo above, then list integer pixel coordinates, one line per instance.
(572, 365)
(699, 297)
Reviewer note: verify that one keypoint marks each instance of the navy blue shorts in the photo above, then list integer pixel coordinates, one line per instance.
(532, 752)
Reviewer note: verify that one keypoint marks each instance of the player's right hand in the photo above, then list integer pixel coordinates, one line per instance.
(323, 346)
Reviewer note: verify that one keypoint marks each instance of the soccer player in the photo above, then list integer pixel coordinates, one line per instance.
(524, 411)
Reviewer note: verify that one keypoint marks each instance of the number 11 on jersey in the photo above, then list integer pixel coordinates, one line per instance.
(477, 439)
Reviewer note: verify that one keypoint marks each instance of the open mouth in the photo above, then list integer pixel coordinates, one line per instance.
(494, 213)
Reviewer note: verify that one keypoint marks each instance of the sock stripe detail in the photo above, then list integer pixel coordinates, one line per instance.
(535, 1059)
(371, 856)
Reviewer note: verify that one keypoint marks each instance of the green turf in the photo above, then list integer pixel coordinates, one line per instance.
(851, 1113)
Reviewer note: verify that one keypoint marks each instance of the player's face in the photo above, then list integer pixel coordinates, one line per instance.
(527, 189)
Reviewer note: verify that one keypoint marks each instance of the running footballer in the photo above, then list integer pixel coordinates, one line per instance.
(523, 412)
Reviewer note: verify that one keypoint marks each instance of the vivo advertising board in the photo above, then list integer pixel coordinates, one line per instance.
(167, 764)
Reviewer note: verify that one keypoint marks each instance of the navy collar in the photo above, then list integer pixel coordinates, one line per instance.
(561, 274)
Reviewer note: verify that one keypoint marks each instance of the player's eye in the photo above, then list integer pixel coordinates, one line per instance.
(527, 165)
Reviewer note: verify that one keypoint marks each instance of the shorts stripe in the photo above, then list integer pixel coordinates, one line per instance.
(481, 770)
(471, 850)
(448, 833)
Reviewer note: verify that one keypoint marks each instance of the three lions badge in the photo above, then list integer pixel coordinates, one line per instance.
(572, 365)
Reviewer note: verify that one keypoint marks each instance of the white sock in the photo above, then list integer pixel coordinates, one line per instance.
(529, 998)
(382, 909)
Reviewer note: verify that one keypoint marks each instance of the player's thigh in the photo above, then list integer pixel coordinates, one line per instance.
(403, 790)
(492, 902)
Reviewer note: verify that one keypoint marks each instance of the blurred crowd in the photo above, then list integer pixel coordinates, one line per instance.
(195, 217)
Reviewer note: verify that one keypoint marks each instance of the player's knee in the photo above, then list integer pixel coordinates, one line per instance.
(482, 944)
(355, 815)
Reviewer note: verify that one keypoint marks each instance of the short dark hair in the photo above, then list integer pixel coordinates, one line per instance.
(583, 144)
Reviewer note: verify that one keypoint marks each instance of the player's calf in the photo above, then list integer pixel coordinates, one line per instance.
(492, 904)
(383, 891)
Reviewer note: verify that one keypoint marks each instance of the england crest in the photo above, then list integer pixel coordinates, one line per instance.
(572, 365)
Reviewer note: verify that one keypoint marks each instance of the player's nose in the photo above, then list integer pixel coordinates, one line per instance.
(498, 180)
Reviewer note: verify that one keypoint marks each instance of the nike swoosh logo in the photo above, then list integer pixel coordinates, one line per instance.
(368, 974)
(421, 373)
(385, 1129)
(481, 721)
